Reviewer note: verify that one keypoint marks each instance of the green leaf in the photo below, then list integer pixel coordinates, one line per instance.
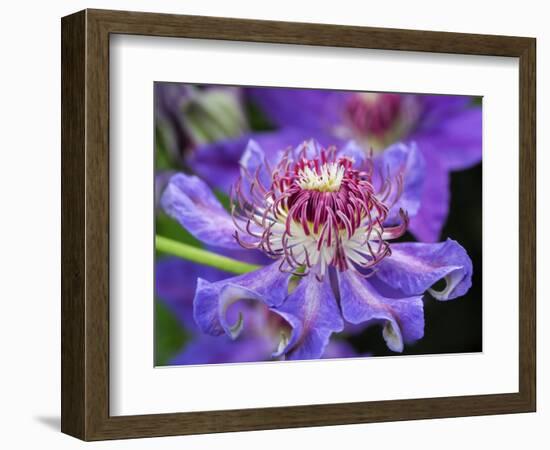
(257, 119)
(477, 101)
(223, 198)
(163, 160)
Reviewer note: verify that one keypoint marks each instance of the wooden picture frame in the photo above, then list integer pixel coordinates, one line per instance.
(85, 224)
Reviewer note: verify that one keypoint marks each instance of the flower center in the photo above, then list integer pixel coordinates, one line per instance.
(327, 178)
(320, 211)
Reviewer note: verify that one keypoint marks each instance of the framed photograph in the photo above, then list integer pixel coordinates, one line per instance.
(273, 225)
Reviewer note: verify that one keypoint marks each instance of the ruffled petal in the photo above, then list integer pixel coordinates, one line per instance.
(427, 223)
(191, 202)
(403, 318)
(314, 305)
(407, 162)
(212, 301)
(413, 268)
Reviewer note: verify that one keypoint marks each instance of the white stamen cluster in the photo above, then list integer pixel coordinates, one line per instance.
(327, 179)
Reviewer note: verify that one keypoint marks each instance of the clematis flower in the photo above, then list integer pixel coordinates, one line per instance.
(327, 218)
(446, 129)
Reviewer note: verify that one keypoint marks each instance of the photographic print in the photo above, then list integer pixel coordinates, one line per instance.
(300, 224)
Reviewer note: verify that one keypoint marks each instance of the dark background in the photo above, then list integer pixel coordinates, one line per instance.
(454, 326)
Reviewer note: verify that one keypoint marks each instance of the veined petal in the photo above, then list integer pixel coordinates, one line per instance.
(354, 152)
(414, 268)
(403, 318)
(191, 202)
(314, 305)
(212, 300)
(407, 162)
(430, 218)
(254, 167)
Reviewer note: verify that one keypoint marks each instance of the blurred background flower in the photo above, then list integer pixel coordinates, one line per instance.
(187, 116)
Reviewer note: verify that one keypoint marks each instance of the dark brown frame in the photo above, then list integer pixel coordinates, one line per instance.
(85, 224)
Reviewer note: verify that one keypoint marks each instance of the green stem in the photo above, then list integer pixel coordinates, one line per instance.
(201, 256)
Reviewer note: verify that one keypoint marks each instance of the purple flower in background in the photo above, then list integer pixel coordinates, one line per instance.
(446, 129)
(326, 217)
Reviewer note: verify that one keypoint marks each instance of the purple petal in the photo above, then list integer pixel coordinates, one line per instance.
(267, 285)
(403, 318)
(436, 108)
(314, 305)
(206, 349)
(191, 202)
(307, 149)
(428, 222)
(456, 140)
(408, 162)
(175, 281)
(413, 268)
(311, 109)
(161, 180)
(218, 162)
(354, 152)
(254, 166)
(251, 256)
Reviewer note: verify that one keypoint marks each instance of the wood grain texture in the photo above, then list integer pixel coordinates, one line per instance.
(527, 224)
(73, 111)
(85, 224)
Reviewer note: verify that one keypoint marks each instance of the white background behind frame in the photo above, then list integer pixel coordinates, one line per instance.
(138, 388)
